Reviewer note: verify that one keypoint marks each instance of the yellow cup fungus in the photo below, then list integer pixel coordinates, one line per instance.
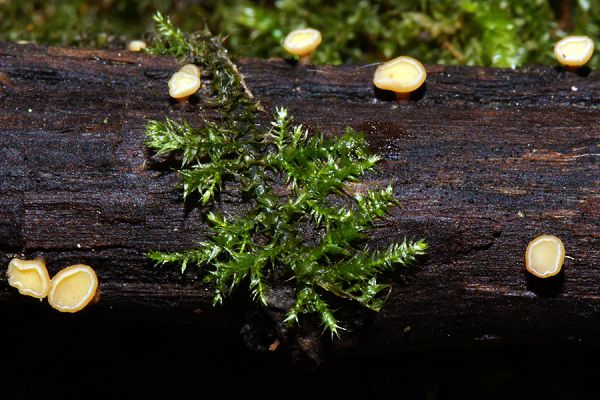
(302, 42)
(191, 69)
(401, 75)
(29, 276)
(574, 51)
(185, 82)
(73, 288)
(136, 45)
(544, 256)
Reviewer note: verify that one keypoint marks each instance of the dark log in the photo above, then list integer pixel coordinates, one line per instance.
(483, 160)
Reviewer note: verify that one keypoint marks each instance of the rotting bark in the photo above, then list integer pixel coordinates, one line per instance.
(483, 161)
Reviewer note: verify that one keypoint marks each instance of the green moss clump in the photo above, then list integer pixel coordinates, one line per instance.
(498, 33)
(304, 221)
(83, 23)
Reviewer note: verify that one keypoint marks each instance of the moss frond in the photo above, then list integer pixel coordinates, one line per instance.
(294, 225)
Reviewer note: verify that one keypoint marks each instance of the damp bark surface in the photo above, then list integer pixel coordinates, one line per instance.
(483, 161)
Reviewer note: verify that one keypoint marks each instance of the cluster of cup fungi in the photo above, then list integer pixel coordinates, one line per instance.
(74, 287)
(70, 290)
(403, 75)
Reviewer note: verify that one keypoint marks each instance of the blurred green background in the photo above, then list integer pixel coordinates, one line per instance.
(498, 33)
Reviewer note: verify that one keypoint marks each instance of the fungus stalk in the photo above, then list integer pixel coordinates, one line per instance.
(544, 256)
(30, 277)
(302, 42)
(403, 96)
(73, 288)
(401, 75)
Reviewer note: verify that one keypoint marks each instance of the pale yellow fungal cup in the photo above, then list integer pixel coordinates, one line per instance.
(302, 42)
(73, 288)
(184, 84)
(30, 277)
(136, 45)
(574, 51)
(544, 256)
(401, 75)
(191, 69)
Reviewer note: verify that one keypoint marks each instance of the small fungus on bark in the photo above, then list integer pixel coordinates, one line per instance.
(183, 84)
(73, 288)
(544, 256)
(574, 51)
(401, 75)
(191, 69)
(302, 42)
(136, 45)
(29, 276)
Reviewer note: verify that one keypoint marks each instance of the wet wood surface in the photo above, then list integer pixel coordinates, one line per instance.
(483, 161)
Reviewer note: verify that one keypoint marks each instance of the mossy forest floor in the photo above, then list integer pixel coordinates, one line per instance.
(502, 33)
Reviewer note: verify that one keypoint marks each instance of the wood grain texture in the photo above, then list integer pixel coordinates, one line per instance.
(483, 160)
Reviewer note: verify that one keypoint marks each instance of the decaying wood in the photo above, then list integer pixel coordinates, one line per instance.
(483, 160)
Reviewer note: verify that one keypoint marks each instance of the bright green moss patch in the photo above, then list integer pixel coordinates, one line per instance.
(308, 213)
(500, 33)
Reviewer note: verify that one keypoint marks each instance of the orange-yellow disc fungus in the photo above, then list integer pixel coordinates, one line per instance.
(183, 84)
(574, 51)
(73, 288)
(302, 42)
(191, 69)
(401, 75)
(136, 45)
(29, 276)
(544, 256)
